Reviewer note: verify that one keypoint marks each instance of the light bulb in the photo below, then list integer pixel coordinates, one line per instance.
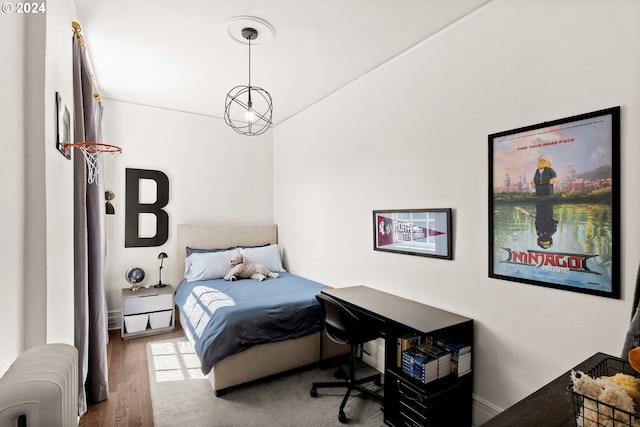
(250, 115)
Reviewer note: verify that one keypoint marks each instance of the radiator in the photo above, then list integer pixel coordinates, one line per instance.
(41, 388)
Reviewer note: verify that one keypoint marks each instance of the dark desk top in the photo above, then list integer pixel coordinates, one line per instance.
(383, 305)
(549, 406)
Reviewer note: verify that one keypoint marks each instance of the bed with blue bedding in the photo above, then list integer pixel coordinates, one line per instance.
(224, 317)
(246, 329)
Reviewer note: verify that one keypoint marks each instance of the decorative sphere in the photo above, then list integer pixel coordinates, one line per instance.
(135, 275)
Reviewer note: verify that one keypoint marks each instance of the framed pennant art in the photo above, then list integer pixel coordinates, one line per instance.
(423, 232)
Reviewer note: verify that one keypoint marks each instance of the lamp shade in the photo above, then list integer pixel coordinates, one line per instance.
(161, 257)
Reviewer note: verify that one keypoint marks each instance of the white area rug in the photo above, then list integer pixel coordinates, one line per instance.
(182, 396)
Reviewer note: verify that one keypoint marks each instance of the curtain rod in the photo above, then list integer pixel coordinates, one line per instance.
(76, 32)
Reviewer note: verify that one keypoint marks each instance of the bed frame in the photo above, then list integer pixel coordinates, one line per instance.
(261, 360)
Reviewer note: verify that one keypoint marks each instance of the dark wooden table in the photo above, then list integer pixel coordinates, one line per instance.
(549, 406)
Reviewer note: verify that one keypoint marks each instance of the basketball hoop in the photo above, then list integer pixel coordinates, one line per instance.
(93, 152)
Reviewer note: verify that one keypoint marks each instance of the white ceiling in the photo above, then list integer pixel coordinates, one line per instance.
(177, 55)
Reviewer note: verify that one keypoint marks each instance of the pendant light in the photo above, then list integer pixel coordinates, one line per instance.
(248, 109)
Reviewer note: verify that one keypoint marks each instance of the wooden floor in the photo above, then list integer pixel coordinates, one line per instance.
(129, 402)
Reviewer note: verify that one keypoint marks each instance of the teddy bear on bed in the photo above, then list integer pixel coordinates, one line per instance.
(242, 269)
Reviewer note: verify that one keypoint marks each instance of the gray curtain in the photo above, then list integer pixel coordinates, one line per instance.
(91, 334)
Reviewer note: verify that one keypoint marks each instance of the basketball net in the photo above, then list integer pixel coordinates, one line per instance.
(96, 154)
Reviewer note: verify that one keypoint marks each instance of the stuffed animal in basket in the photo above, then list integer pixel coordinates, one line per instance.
(242, 269)
(620, 394)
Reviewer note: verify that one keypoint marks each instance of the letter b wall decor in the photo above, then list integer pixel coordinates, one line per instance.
(134, 208)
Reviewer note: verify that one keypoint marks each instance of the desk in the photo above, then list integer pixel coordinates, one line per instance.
(550, 406)
(407, 401)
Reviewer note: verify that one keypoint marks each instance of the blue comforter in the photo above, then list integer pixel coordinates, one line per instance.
(225, 318)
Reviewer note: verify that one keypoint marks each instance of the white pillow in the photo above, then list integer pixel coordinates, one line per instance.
(269, 256)
(207, 265)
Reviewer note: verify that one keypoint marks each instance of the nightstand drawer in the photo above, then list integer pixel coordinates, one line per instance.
(147, 304)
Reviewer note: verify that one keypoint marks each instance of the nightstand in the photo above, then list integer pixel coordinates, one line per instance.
(147, 311)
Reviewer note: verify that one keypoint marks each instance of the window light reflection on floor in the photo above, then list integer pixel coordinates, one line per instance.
(175, 361)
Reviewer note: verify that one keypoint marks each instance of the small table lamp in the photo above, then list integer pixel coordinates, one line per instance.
(161, 257)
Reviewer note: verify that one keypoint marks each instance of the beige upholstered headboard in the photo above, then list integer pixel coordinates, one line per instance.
(220, 236)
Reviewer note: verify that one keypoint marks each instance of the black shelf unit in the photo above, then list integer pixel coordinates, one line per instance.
(446, 401)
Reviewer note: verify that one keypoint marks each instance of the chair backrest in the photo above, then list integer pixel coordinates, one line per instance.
(342, 325)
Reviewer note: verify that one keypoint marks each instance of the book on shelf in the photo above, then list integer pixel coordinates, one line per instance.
(441, 354)
(461, 359)
(405, 342)
(454, 345)
(461, 373)
(419, 365)
(460, 354)
(461, 363)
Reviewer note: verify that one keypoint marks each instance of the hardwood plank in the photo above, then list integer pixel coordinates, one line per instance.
(114, 350)
(108, 410)
(133, 390)
(146, 410)
(122, 406)
(129, 402)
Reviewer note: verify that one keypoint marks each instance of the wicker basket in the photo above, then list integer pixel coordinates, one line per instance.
(593, 413)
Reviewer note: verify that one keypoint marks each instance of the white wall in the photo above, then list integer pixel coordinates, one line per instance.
(59, 177)
(35, 288)
(12, 175)
(37, 214)
(415, 136)
(215, 176)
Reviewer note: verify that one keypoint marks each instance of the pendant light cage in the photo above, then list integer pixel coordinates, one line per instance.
(250, 120)
(248, 109)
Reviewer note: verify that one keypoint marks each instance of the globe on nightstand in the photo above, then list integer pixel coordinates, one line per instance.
(134, 275)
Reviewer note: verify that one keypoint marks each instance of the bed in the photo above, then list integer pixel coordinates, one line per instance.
(229, 355)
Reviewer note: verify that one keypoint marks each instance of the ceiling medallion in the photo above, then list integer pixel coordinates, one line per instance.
(234, 26)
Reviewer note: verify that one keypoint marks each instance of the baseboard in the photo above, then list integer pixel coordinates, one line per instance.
(483, 410)
(114, 319)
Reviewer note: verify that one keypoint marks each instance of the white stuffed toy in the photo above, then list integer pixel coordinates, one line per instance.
(619, 406)
(241, 269)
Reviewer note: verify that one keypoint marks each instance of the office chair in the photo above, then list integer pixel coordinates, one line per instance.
(344, 327)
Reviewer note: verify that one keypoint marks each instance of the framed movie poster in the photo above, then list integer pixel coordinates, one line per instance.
(554, 204)
(423, 232)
